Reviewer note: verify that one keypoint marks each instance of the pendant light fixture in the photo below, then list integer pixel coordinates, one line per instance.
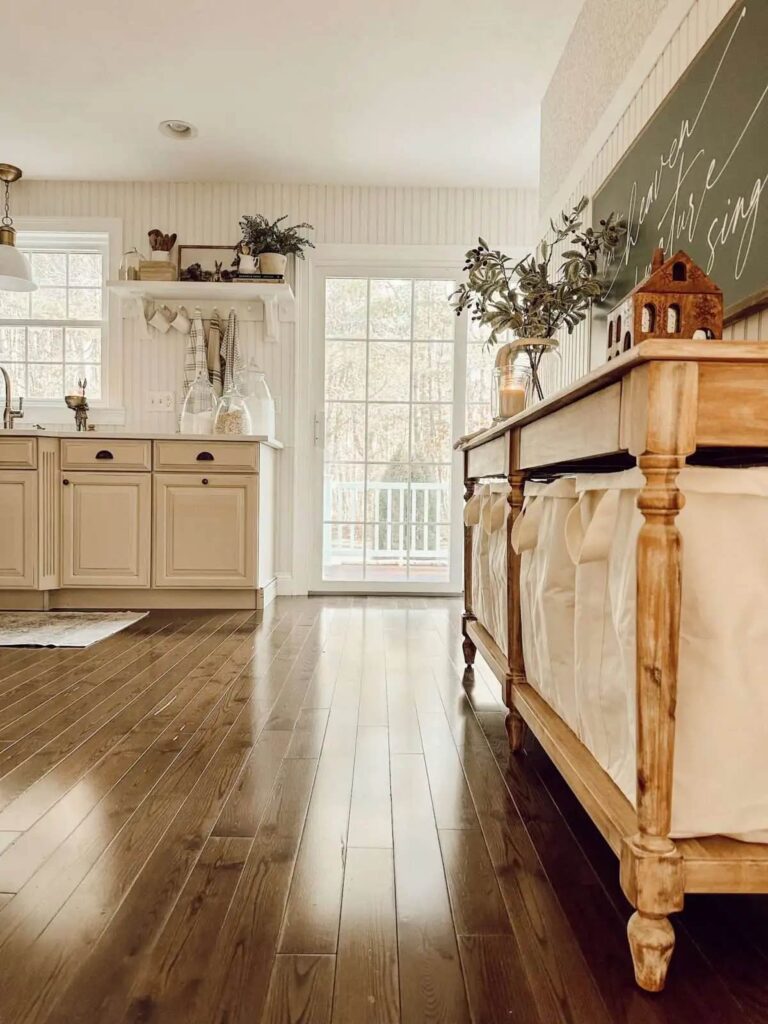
(15, 271)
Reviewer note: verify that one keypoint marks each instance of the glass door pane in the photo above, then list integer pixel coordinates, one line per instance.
(389, 376)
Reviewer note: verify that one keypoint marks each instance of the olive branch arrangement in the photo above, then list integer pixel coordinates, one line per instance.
(526, 297)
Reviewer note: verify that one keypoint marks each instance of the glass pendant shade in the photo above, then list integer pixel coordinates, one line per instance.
(15, 271)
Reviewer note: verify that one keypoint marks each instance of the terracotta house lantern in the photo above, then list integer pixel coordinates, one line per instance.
(676, 300)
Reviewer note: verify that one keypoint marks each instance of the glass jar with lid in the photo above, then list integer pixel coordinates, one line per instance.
(259, 399)
(198, 413)
(129, 265)
(232, 415)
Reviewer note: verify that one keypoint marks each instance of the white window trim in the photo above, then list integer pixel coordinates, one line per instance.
(110, 408)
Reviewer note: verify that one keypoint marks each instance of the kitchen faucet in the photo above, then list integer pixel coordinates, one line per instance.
(9, 413)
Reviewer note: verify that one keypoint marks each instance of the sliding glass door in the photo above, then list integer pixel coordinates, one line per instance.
(394, 361)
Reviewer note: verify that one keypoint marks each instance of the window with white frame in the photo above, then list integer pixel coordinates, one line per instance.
(55, 337)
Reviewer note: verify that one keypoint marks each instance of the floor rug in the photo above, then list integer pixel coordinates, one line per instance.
(61, 629)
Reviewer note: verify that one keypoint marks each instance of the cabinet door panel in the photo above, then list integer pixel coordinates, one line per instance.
(106, 529)
(18, 533)
(205, 532)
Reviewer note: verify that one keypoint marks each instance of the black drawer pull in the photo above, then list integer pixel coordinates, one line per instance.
(65, 482)
(204, 457)
(205, 479)
(104, 454)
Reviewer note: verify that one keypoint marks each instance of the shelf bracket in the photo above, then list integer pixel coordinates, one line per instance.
(271, 320)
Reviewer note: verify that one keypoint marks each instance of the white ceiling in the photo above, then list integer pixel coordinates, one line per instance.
(408, 92)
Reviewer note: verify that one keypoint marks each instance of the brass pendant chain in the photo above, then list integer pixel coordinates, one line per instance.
(7, 221)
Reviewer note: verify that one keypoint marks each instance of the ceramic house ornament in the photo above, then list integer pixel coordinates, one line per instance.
(676, 300)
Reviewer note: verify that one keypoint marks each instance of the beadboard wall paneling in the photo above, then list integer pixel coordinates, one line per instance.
(585, 348)
(208, 214)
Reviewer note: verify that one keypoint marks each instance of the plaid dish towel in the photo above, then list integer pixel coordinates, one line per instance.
(214, 353)
(230, 350)
(194, 355)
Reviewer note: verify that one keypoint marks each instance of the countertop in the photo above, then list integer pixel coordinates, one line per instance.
(112, 435)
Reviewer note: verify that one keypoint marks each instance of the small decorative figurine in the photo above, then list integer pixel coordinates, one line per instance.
(79, 405)
(677, 301)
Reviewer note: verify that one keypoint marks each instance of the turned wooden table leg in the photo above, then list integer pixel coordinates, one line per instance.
(651, 865)
(514, 723)
(468, 647)
(651, 941)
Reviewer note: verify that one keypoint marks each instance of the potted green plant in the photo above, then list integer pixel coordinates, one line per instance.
(530, 300)
(271, 243)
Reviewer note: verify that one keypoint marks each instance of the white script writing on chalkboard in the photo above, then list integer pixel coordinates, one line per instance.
(688, 214)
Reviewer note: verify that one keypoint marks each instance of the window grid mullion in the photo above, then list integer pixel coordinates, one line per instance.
(409, 489)
(365, 423)
(29, 322)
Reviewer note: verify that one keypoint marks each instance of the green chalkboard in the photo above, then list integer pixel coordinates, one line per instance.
(696, 178)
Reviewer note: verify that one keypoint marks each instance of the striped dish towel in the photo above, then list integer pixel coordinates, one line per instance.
(214, 353)
(230, 350)
(194, 355)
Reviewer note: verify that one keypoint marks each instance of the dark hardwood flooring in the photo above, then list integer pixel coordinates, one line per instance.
(214, 818)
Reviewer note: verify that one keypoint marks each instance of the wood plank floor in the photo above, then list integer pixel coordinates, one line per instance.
(311, 816)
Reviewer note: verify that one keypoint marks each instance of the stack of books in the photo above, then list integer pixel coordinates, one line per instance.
(259, 277)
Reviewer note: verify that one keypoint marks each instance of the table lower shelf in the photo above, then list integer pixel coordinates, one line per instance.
(712, 864)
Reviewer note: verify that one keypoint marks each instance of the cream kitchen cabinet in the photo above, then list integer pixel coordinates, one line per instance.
(136, 521)
(18, 533)
(205, 530)
(106, 529)
(29, 512)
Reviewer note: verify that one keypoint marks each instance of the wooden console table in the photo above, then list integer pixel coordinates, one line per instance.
(658, 406)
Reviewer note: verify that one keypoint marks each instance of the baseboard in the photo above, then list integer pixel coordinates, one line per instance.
(131, 599)
(286, 586)
(266, 594)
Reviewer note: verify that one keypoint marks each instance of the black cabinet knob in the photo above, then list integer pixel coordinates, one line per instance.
(205, 479)
(65, 482)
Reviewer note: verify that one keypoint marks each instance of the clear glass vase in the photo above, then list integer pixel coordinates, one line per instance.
(198, 413)
(542, 357)
(232, 415)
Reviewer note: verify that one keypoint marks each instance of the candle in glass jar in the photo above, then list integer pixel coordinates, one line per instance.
(511, 398)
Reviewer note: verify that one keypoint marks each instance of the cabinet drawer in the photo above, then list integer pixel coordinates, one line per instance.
(207, 456)
(18, 452)
(125, 454)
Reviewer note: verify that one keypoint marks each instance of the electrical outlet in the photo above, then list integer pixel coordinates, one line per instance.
(160, 401)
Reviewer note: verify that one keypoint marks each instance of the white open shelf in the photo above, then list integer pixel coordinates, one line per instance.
(277, 296)
(203, 291)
